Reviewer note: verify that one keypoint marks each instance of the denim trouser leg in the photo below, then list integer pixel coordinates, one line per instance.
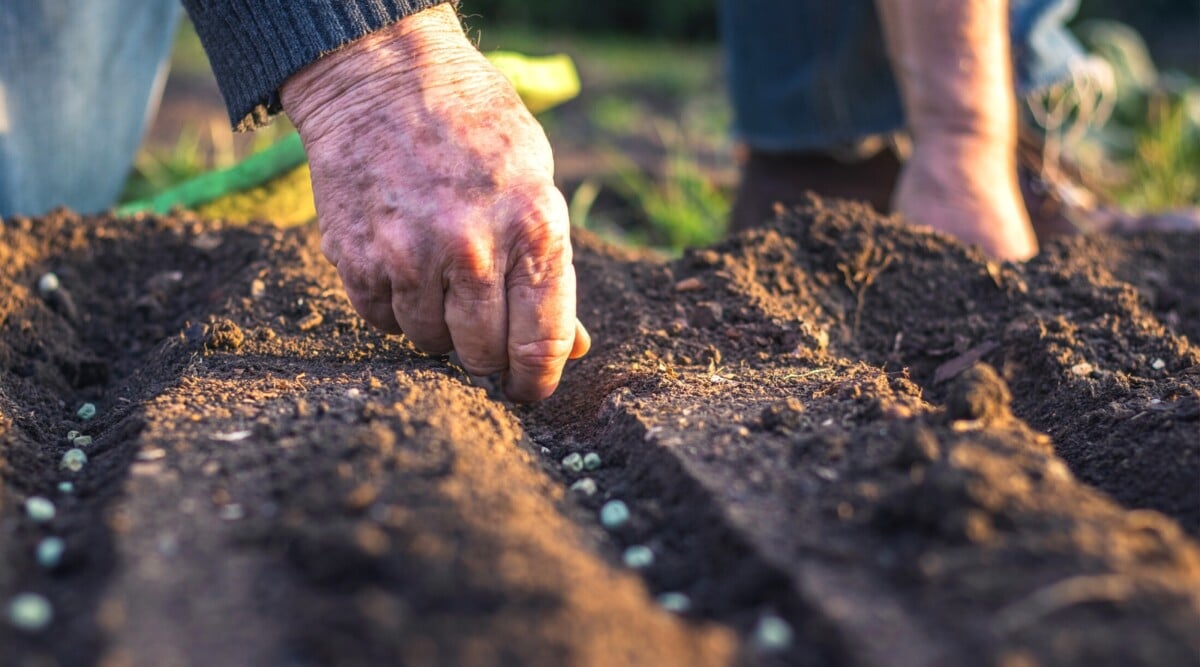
(813, 74)
(79, 79)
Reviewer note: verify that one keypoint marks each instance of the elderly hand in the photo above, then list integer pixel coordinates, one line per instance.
(435, 195)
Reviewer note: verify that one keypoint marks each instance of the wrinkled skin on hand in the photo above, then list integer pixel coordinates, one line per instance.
(436, 202)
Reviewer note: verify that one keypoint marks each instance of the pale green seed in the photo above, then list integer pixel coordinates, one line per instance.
(638, 556)
(591, 461)
(66, 487)
(50, 552)
(82, 441)
(614, 514)
(30, 612)
(573, 462)
(71, 435)
(48, 283)
(39, 509)
(586, 486)
(772, 633)
(86, 411)
(74, 460)
(674, 601)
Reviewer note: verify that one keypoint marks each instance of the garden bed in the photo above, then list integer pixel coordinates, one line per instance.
(836, 428)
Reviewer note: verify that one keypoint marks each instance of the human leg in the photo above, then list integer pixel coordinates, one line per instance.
(807, 75)
(788, 66)
(814, 100)
(79, 80)
(952, 61)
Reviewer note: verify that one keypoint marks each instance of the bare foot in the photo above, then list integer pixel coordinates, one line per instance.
(967, 188)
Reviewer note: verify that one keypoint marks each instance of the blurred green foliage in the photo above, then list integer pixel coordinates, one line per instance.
(1150, 146)
(649, 134)
(676, 19)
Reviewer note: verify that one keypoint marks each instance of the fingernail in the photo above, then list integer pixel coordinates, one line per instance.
(583, 341)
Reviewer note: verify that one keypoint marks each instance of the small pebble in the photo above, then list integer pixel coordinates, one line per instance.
(39, 509)
(30, 612)
(74, 460)
(71, 435)
(614, 514)
(310, 321)
(48, 283)
(232, 436)
(638, 556)
(586, 486)
(591, 461)
(1082, 369)
(772, 633)
(675, 602)
(573, 462)
(232, 512)
(1158, 364)
(66, 487)
(50, 552)
(86, 411)
(82, 441)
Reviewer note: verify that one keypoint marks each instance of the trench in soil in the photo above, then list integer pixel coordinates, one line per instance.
(865, 515)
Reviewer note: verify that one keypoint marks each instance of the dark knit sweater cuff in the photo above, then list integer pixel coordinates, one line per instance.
(255, 45)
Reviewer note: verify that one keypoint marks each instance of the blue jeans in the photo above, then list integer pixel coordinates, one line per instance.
(79, 79)
(809, 75)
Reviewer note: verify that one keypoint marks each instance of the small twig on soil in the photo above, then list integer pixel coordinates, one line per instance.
(1063, 594)
(868, 265)
(815, 371)
(951, 369)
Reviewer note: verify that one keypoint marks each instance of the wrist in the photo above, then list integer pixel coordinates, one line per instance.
(399, 59)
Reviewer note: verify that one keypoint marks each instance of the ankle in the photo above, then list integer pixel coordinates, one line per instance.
(983, 160)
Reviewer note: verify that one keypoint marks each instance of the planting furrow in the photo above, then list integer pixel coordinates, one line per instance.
(269, 482)
(349, 515)
(698, 563)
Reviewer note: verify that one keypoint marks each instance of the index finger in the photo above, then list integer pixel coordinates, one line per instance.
(541, 336)
(542, 329)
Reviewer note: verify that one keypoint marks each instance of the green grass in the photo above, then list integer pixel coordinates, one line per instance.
(1165, 162)
(1152, 141)
(201, 147)
(654, 116)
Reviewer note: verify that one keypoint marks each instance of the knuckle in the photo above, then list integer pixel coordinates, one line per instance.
(376, 311)
(427, 340)
(538, 257)
(420, 325)
(532, 208)
(472, 269)
(481, 363)
(540, 355)
(541, 212)
(331, 249)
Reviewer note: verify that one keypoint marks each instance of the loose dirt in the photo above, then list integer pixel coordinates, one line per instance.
(910, 455)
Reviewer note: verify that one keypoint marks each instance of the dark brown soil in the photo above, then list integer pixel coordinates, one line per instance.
(911, 455)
